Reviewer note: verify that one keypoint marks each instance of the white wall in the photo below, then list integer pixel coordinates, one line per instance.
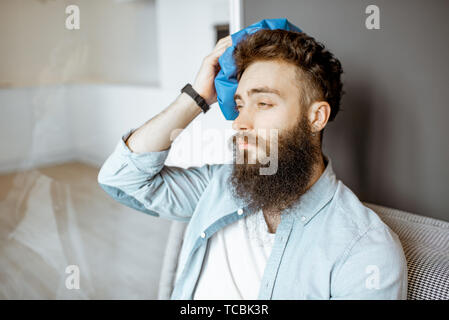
(63, 116)
(116, 42)
(185, 36)
(34, 126)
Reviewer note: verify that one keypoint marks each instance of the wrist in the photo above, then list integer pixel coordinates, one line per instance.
(200, 92)
(196, 96)
(189, 105)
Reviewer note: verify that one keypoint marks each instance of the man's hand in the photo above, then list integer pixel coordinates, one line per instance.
(204, 81)
(158, 133)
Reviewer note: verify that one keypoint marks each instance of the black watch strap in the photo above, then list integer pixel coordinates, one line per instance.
(196, 96)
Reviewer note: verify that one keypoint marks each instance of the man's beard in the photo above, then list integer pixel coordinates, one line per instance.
(297, 157)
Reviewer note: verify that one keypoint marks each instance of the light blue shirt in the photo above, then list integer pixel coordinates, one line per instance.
(327, 246)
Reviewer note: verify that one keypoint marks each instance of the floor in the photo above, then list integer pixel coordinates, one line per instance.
(58, 216)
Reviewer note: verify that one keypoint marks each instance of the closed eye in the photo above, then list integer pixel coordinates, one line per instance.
(261, 104)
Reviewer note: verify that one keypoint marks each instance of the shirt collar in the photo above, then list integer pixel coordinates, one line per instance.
(317, 196)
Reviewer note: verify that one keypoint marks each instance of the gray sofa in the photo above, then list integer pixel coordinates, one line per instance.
(425, 242)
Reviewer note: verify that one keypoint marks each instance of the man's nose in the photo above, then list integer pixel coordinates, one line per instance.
(243, 122)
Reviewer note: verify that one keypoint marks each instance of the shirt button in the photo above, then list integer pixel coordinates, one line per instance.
(240, 212)
(303, 218)
(203, 235)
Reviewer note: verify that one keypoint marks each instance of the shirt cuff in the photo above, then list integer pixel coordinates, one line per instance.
(147, 161)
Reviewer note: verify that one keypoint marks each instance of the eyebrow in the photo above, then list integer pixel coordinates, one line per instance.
(259, 90)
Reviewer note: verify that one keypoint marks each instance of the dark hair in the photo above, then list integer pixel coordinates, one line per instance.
(318, 69)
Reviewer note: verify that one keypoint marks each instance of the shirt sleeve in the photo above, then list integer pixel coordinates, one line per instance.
(374, 267)
(143, 182)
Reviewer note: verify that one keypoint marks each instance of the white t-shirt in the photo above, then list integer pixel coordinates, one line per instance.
(235, 260)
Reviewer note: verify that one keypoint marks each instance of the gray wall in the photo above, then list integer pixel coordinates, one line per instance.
(389, 141)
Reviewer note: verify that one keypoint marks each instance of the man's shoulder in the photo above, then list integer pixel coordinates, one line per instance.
(368, 250)
(352, 215)
(359, 229)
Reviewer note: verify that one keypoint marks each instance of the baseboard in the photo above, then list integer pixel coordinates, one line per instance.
(20, 164)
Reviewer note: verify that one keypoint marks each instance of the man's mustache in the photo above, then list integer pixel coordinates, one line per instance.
(265, 157)
(248, 138)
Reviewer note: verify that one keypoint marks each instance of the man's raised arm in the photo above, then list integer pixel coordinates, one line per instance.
(135, 174)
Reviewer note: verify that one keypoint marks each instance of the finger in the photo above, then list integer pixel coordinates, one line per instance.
(220, 48)
(218, 52)
(216, 55)
(224, 41)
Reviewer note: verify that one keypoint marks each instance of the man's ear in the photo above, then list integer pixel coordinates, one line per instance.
(318, 114)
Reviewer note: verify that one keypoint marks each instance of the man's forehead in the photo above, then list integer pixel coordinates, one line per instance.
(261, 88)
(272, 77)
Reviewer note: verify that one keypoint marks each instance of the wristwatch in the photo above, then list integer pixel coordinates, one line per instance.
(196, 96)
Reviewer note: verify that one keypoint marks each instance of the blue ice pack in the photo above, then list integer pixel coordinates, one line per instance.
(226, 79)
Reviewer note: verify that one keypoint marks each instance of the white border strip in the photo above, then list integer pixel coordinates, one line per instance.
(235, 15)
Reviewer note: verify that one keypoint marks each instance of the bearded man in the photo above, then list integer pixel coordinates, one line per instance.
(291, 231)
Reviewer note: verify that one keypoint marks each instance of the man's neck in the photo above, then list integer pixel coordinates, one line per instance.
(273, 216)
(317, 172)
